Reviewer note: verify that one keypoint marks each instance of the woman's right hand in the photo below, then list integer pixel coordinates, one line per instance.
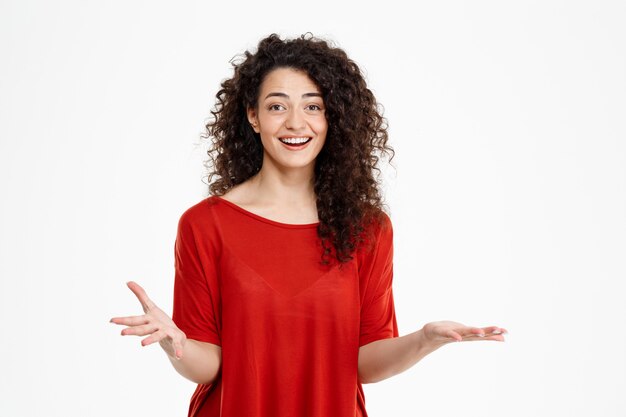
(155, 323)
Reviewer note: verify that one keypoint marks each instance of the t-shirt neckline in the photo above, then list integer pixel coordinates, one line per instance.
(264, 219)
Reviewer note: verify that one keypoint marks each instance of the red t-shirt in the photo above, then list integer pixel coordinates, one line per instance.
(290, 328)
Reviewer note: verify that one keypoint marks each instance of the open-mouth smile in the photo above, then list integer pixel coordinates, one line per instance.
(296, 142)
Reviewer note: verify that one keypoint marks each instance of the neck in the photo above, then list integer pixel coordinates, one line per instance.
(286, 187)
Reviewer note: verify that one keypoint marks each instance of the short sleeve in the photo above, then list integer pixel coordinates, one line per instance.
(378, 318)
(196, 301)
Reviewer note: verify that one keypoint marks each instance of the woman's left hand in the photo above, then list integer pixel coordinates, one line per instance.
(441, 332)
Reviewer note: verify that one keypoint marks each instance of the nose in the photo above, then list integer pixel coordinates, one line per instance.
(294, 120)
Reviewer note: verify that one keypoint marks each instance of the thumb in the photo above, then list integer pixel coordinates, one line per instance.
(452, 334)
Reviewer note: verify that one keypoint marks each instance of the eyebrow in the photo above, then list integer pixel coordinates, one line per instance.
(286, 96)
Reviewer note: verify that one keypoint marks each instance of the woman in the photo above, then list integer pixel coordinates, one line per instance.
(283, 301)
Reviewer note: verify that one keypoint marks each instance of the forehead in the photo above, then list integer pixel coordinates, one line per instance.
(288, 79)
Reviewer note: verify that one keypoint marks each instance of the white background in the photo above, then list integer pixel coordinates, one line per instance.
(508, 196)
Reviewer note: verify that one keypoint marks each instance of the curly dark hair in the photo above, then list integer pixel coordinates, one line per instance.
(347, 191)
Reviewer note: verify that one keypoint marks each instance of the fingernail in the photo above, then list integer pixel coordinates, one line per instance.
(497, 332)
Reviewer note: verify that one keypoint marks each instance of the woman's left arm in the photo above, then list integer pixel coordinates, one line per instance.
(385, 358)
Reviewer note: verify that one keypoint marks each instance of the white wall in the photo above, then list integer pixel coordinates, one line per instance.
(508, 197)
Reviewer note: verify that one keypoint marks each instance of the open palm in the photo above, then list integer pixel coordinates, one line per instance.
(155, 323)
(442, 332)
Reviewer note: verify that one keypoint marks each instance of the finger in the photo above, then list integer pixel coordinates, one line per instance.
(140, 330)
(468, 332)
(477, 331)
(485, 333)
(130, 320)
(177, 344)
(491, 329)
(494, 330)
(146, 302)
(452, 334)
(497, 337)
(154, 337)
(162, 334)
(178, 349)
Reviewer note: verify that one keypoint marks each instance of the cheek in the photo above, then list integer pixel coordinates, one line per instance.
(321, 127)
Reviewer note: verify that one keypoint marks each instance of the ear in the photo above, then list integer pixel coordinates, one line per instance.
(253, 119)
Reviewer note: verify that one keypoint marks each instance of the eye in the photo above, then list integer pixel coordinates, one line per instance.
(315, 107)
(274, 107)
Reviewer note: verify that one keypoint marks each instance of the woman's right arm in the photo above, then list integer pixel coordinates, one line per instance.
(197, 361)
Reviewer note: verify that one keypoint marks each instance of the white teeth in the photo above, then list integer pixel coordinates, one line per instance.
(294, 140)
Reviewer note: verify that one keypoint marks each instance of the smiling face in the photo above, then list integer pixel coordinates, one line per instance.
(290, 118)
